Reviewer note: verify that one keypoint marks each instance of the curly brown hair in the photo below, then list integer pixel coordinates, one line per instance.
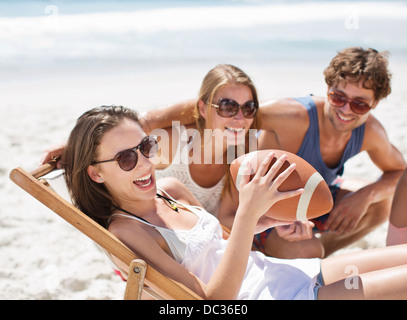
(355, 64)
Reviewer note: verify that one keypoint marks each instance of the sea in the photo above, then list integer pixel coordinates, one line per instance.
(49, 36)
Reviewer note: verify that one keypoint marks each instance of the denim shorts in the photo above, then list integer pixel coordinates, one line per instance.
(318, 284)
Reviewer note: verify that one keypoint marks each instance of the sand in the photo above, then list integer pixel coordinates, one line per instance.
(41, 256)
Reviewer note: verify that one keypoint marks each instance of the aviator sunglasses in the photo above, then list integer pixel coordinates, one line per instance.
(127, 159)
(338, 100)
(228, 108)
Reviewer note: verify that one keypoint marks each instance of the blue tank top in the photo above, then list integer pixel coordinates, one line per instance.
(310, 149)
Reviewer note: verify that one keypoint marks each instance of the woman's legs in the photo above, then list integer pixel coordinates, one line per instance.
(388, 283)
(371, 274)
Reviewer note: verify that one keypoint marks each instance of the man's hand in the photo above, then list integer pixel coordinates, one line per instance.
(347, 213)
(297, 231)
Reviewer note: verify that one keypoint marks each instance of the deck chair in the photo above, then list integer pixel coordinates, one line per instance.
(140, 276)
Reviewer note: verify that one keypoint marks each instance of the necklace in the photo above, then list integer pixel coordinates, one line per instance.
(170, 202)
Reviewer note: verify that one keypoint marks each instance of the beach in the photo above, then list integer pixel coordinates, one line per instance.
(70, 66)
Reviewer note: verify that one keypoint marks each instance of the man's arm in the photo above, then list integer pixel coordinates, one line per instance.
(347, 214)
(386, 157)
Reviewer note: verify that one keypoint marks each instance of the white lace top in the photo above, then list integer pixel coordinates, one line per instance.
(201, 248)
(209, 197)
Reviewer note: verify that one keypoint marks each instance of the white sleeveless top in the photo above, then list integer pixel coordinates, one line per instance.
(176, 239)
(209, 197)
(201, 248)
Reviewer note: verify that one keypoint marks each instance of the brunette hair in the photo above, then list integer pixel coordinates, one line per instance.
(355, 64)
(90, 197)
(216, 78)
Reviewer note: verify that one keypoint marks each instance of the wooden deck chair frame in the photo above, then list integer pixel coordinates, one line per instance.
(140, 276)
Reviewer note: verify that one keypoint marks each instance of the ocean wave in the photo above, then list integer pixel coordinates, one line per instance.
(194, 18)
(216, 33)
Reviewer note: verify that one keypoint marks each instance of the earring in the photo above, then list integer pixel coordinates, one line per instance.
(100, 180)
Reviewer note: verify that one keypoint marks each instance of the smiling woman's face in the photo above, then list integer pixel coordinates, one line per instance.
(233, 128)
(136, 184)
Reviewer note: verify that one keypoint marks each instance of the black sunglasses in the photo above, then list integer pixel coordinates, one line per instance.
(338, 100)
(127, 159)
(228, 108)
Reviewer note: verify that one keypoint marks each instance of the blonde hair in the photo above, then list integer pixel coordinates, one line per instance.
(216, 78)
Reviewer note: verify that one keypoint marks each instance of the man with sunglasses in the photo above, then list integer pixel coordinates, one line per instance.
(328, 132)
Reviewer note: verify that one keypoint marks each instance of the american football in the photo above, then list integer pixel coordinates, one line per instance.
(315, 201)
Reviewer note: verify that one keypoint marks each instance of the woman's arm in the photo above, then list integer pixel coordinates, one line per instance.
(228, 276)
(163, 117)
(53, 152)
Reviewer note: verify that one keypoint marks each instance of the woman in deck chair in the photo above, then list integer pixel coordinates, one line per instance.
(112, 179)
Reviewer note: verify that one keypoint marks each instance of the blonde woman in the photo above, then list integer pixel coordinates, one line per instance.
(199, 154)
